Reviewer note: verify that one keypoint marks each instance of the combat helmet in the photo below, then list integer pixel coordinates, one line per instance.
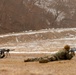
(67, 47)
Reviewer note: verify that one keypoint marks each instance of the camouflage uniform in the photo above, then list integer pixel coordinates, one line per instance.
(63, 54)
(41, 59)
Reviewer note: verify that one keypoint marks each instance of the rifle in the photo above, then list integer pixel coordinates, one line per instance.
(2, 52)
(72, 50)
(7, 50)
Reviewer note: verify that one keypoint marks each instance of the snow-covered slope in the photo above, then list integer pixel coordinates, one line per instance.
(39, 41)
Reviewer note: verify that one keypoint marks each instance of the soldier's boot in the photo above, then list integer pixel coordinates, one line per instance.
(31, 59)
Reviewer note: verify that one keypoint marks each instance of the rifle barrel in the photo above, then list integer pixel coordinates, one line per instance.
(72, 49)
(8, 50)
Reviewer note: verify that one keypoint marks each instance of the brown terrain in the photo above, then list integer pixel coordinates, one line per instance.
(37, 44)
(15, 65)
(35, 28)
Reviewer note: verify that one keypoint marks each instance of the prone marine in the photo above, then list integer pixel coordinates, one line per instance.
(63, 54)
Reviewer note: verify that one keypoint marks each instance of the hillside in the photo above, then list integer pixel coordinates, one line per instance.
(22, 15)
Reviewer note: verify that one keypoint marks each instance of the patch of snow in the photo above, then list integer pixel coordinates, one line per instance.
(52, 10)
(34, 52)
(17, 39)
(48, 22)
(60, 17)
(74, 38)
(59, 30)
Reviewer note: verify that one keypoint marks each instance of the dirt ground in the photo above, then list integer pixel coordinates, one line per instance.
(15, 65)
(42, 42)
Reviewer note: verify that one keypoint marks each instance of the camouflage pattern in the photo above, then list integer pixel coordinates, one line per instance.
(31, 59)
(62, 54)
